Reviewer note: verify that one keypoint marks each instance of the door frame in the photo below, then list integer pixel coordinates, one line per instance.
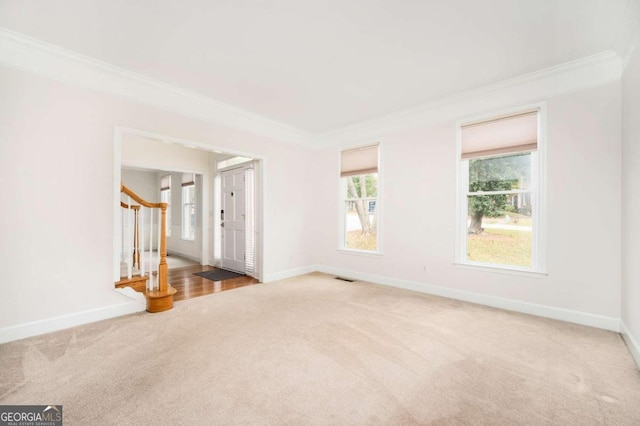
(217, 203)
(260, 165)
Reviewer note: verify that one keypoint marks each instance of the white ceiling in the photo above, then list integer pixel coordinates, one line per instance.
(326, 64)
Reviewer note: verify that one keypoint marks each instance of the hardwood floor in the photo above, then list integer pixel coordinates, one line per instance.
(189, 286)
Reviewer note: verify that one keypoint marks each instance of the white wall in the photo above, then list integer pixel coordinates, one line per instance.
(56, 265)
(57, 151)
(418, 224)
(142, 182)
(631, 203)
(145, 184)
(140, 151)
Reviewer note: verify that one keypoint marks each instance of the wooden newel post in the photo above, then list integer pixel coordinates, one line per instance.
(163, 269)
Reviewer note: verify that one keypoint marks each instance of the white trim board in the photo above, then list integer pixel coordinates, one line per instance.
(290, 273)
(591, 71)
(185, 255)
(35, 328)
(583, 318)
(29, 54)
(631, 342)
(576, 317)
(32, 55)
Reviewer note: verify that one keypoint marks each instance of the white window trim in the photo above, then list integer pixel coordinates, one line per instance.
(539, 191)
(342, 188)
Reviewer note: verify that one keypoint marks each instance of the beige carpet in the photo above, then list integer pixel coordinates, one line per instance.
(314, 350)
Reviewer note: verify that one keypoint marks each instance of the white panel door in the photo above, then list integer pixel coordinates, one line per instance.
(233, 220)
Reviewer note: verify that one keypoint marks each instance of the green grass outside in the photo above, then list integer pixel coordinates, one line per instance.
(500, 246)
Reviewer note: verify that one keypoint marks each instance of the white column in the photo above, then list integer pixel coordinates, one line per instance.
(141, 248)
(122, 236)
(150, 282)
(159, 234)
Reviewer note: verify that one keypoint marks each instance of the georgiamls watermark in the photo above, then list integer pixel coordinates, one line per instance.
(30, 415)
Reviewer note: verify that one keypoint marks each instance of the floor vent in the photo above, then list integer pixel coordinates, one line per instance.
(349, 280)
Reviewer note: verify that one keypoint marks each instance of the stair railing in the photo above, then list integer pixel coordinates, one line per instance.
(132, 241)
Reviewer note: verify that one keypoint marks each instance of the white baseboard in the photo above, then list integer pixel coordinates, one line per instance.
(185, 255)
(608, 323)
(632, 343)
(35, 328)
(592, 320)
(289, 273)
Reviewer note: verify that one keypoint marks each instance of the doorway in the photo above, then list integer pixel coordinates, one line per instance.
(145, 150)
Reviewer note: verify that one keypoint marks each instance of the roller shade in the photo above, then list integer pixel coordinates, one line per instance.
(188, 179)
(165, 182)
(505, 135)
(359, 161)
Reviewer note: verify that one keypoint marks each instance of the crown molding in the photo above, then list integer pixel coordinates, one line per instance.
(629, 34)
(32, 55)
(587, 72)
(35, 56)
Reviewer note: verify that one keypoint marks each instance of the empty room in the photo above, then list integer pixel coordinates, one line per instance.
(322, 212)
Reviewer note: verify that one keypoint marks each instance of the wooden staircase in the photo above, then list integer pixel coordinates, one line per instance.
(136, 282)
(156, 289)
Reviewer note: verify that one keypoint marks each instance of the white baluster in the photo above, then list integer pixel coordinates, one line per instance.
(130, 242)
(159, 234)
(150, 282)
(123, 258)
(141, 248)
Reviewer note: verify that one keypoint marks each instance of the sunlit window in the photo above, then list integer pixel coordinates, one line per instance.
(500, 192)
(359, 180)
(188, 206)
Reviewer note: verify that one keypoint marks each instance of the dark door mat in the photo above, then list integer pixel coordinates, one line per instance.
(218, 274)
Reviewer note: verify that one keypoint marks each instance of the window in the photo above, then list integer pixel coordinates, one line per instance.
(165, 197)
(360, 203)
(500, 201)
(188, 206)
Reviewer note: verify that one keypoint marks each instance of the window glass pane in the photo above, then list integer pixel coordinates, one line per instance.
(188, 227)
(355, 184)
(191, 222)
(360, 209)
(191, 194)
(499, 229)
(188, 212)
(361, 225)
(500, 173)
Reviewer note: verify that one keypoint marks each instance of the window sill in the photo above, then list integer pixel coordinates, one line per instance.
(360, 252)
(191, 240)
(501, 270)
